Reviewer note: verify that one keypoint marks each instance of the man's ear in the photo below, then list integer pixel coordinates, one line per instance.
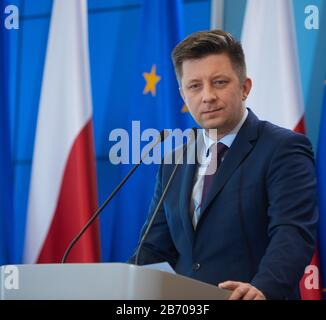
(247, 84)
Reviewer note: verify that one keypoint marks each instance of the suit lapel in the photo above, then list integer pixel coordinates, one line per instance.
(240, 148)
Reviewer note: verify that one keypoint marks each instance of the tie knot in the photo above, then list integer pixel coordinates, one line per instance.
(218, 149)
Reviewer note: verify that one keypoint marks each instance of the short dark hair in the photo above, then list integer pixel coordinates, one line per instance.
(203, 43)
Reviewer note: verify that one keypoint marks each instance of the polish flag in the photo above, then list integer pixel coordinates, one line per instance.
(62, 194)
(269, 43)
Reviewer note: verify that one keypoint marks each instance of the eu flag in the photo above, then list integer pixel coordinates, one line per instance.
(6, 204)
(155, 103)
(321, 171)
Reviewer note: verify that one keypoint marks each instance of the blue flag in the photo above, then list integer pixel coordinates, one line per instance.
(156, 103)
(6, 196)
(321, 172)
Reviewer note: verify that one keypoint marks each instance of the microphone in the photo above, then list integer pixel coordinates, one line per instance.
(160, 138)
(192, 136)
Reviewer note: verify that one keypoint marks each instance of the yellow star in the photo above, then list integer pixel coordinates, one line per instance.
(151, 80)
(184, 109)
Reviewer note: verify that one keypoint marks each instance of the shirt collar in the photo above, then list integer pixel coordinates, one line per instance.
(228, 138)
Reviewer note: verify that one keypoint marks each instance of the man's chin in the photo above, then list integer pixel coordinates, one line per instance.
(211, 125)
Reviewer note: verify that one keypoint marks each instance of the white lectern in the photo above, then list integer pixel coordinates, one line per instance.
(100, 281)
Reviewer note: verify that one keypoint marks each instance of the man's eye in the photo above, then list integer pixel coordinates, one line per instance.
(220, 82)
(194, 86)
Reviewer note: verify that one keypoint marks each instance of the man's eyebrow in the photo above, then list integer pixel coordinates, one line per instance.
(193, 80)
(220, 75)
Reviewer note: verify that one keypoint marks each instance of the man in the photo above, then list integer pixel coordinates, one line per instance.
(251, 226)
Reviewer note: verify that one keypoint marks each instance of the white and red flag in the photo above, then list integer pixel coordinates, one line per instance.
(62, 193)
(269, 43)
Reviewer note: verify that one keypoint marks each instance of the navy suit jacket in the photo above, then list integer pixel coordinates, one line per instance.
(258, 222)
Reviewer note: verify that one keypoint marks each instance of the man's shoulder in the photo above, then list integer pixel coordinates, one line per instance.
(277, 134)
(274, 140)
(271, 132)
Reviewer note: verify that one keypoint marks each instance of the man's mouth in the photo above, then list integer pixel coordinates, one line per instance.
(212, 111)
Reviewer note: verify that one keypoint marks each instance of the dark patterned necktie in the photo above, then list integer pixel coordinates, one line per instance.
(217, 151)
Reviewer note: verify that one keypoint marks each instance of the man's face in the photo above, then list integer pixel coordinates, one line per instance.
(213, 93)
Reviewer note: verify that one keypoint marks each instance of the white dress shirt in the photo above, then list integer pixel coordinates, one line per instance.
(204, 157)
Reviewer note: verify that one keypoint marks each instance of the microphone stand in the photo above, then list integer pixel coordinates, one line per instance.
(159, 204)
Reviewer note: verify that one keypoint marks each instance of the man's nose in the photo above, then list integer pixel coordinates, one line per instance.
(209, 94)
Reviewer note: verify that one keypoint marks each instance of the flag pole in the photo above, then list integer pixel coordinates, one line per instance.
(217, 14)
